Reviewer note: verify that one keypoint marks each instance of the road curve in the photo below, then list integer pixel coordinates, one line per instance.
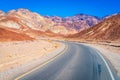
(79, 62)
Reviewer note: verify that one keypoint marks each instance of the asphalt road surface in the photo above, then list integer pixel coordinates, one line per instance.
(78, 62)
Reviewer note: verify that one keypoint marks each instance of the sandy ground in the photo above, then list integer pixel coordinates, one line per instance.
(111, 51)
(16, 57)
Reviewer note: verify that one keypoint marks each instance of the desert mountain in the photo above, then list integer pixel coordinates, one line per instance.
(33, 24)
(24, 21)
(27, 21)
(78, 22)
(107, 30)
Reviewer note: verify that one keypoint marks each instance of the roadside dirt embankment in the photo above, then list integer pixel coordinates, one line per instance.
(17, 58)
(111, 51)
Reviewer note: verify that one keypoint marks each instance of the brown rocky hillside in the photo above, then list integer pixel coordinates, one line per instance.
(107, 30)
(8, 35)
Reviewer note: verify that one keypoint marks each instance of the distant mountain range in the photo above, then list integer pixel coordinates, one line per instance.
(106, 30)
(78, 22)
(68, 25)
(32, 25)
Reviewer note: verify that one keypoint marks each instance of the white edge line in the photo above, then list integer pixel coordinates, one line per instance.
(109, 70)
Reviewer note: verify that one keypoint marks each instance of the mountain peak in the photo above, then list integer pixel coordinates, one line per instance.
(22, 10)
(81, 14)
(2, 13)
(108, 16)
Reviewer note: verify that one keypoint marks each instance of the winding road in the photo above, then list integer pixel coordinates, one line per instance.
(78, 62)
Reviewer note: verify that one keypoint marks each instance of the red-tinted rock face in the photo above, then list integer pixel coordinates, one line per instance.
(11, 35)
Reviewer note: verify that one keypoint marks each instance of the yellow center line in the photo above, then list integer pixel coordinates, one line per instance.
(45, 63)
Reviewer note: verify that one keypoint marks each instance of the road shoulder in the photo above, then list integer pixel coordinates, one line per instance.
(11, 74)
(111, 56)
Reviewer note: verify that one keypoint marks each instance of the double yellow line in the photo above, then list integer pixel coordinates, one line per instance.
(45, 63)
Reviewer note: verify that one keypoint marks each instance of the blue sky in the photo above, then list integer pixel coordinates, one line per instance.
(64, 8)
